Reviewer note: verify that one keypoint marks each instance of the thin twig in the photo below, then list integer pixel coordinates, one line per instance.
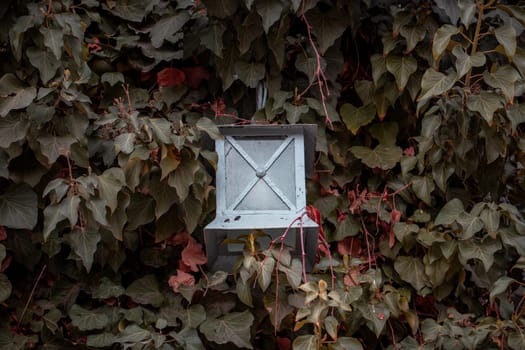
(31, 294)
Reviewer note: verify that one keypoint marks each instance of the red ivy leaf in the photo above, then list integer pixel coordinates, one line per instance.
(195, 75)
(3, 233)
(192, 255)
(181, 279)
(350, 246)
(171, 77)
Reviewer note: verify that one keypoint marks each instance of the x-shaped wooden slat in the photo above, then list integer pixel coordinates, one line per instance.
(261, 173)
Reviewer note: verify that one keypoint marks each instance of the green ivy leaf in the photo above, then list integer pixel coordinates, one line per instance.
(347, 343)
(109, 185)
(382, 156)
(131, 10)
(377, 314)
(499, 287)
(207, 125)
(435, 83)
(250, 73)
(464, 62)
(423, 187)
(401, 68)
(233, 327)
(167, 27)
(112, 78)
(411, 270)
(145, 290)
(449, 213)
(125, 143)
(84, 244)
(18, 207)
(211, 38)
(53, 40)
(265, 274)
(470, 224)
(53, 147)
(327, 26)
(13, 128)
(108, 289)
(486, 103)
(133, 334)
(249, 30)
(467, 10)
(87, 320)
(221, 8)
(45, 61)
(305, 342)
(354, 118)
(165, 196)
(97, 206)
(100, 340)
(413, 35)
(270, 12)
(14, 95)
(482, 251)
(183, 177)
(294, 112)
(385, 132)
(506, 36)
(442, 38)
(503, 78)
(5, 288)
(516, 115)
(192, 211)
(378, 67)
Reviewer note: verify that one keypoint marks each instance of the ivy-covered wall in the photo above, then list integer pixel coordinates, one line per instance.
(107, 175)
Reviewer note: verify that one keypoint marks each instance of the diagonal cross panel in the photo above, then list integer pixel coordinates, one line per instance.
(261, 172)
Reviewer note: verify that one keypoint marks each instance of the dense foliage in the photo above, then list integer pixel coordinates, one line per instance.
(107, 108)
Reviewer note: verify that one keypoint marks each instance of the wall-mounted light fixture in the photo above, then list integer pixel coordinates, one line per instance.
(260, 185)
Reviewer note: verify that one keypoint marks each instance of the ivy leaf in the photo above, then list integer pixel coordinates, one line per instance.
(499, 287)
(53, 40)
(145, 290)
(46, 62)
(207, 125)
(221, 8)
(125, 143)
(413, 35)
(14, 95)
(449, 213)
(165, 196)
(486, 103)
(467, 10)
(192, 255)
(108, 289)
(84, 244)
(305, 342)
(401, 68)
(423, 187)
(385, 132)
(87, 320)
(316, 105)
(435, 83)
(327, 26)
(347, 343)
(506, 36)
(167, 27)
(265, 275)
(100, 340)
(249, 30)
(55, 146)
(354, 118)
(377, 314)
(211, 38)
(233, 327)
(109, 185)
(503, 78)
(294, 112)
(183, 177)
(13, 128)
(270, 12)
(250, 73)
(471, 225)
(464, 62)
(411, 270)
(378, 67)
(516, 115)
(97, 206)
(112, 78)
(18, 207)
(131, 10)
(442, 38)
(133, 334)
(483, 251)
(5, 288)
(383, 156)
